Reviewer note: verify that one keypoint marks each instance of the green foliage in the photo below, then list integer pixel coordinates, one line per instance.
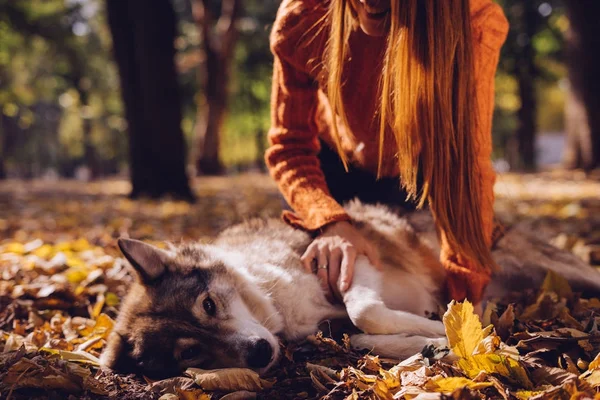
(548, 44)
(57, 74)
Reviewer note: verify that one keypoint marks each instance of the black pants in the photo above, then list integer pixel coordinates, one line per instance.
(363, 185)
(356, 183)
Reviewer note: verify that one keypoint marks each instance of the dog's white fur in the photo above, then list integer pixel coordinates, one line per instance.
(389, 306)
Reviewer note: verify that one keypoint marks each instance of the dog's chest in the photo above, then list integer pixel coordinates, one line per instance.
(299, 299)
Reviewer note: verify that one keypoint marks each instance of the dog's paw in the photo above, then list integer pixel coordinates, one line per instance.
(436, 348)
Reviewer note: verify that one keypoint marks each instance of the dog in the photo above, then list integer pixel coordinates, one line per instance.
(225, 304)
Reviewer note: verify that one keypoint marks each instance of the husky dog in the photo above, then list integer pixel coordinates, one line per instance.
(224, 304)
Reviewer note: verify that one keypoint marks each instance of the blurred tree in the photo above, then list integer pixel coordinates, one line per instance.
(57, 90)
(527, 24)
(2, 156)
(583, 102)
(531, 60)
(219, 39)
(249, 109)
(143, 39)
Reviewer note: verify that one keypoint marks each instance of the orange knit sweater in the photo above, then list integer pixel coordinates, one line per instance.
(301, 115)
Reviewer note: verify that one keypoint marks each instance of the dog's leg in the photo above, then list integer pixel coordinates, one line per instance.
(396, 346)
(369, 313)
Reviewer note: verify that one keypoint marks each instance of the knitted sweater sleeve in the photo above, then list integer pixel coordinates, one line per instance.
(294, 145)
(465, 279)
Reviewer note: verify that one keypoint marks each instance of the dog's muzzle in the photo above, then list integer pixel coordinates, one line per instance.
(260, 354)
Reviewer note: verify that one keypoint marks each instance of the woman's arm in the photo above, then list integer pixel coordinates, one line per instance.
(490, 27)
(294, 145)
(292, 156)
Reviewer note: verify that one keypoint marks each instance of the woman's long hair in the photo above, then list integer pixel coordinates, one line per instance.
(428, 101)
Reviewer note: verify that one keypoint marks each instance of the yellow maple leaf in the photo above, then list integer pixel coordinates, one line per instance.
(391, 379)
(463, 328)
(595, 363)
(76, 274)
(527, 394)
(14, 247)
(495, 364)
(382, 390)
(193, 394)
(479, 349)
(112, 299)
(80, 245)
(45, 251)
(449, 385)
(594, 378)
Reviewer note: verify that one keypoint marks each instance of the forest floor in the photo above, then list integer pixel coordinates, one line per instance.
(62, 279)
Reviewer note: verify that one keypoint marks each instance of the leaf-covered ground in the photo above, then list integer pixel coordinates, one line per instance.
(61, 281)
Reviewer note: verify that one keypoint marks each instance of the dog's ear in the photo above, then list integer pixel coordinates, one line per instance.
(116, 355)
(148, 261)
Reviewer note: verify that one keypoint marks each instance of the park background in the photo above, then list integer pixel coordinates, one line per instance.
(184, 159)
(203, 70)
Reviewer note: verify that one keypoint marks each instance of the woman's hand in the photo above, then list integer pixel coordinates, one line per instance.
(335, 251)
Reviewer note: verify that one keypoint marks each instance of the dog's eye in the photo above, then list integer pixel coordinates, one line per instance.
(190, 353)
(209, 306)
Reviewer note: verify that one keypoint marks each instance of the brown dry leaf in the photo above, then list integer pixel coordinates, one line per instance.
(229, 380)
(322, 370)
(527, 394)
(42, 381)
(418, 377)
(557, 284)
(410, 364)
(169, 385)
(241, 395)
(548, 306)
(169, 396)
(360, 375)
(505, 322)
(370, 363)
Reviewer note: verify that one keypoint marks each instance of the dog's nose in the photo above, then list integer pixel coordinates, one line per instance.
(260, 354)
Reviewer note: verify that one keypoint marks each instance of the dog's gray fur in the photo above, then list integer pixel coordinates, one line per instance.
(253, 274)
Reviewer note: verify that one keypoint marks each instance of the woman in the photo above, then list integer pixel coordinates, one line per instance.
(371, 95)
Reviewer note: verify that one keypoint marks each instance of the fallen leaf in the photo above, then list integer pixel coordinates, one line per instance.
(241, 395)
(230, 379)
(505, 322)
(449, 385)
(557, 284)
(463, 328)
(80, 357)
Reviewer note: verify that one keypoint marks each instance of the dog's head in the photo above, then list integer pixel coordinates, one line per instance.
(187, 309)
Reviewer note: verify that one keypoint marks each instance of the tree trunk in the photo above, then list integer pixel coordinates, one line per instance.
(89, 151)
(143, 36)
(219, 44)
(583, 102)
(526, 73)
(2, 153)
